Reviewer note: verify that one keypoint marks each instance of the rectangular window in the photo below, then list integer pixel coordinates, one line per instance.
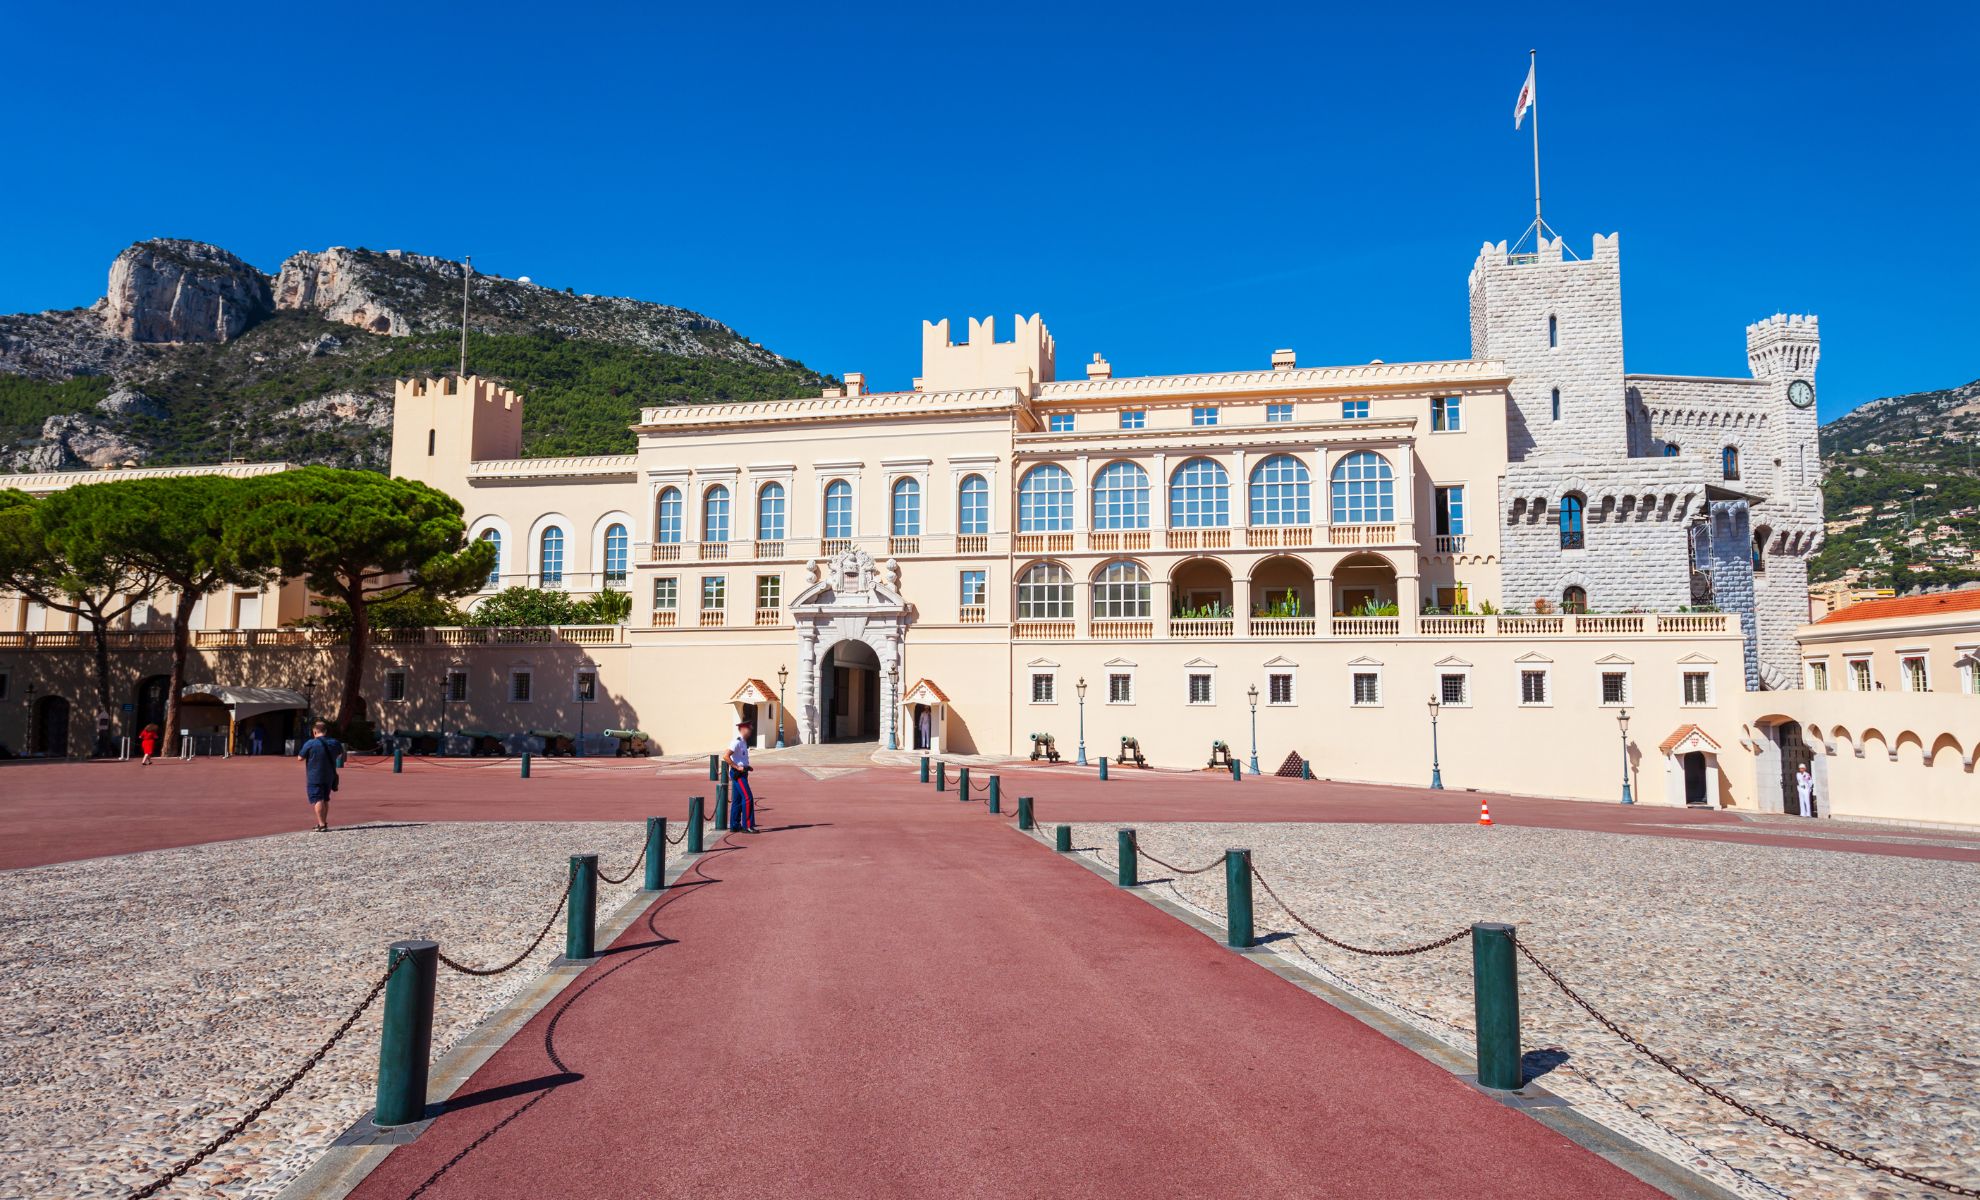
(714, 591)
(1450, 512)
(1447, 414)
(1915, 677)
(1203, 415)
(1061, 423)
(1452, 599)
(975, 588)
(1279, 687)
(1134, 418)
(584, 688)
(1199, 687)
(1859, 675)
(1818, 677)
(1354, 410)
(519, 687)
(1278, 414)
(769, 591)
(1044, 687)
(1120, 688)
(1453, 688)
(666, 593)
(1367, 688)
(1697, 687)
(457, 687)
(1533, 687)
(1615, 687)
(395, 685)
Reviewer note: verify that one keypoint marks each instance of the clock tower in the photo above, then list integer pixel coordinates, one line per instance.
(1788, 522)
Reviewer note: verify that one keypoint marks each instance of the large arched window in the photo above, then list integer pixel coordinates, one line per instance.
(1120, 497)
(1199, 496)
(667, 516)
(1045, 500)
(907, 508)
(494, 538)
(1364, 490)
(1281, 492)
(1571, 506)
(770, 513)
(1044, 593)
(1574, 599)
(617, 548)
(550, 557)
(715, 514)
(1122, 590)
(838, 509)
(973, 505)
(1729, 462)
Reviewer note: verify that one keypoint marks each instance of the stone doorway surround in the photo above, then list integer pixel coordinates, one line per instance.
(849, 597)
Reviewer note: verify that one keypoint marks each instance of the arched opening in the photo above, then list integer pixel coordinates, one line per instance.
(973, 506)
(618, 547)
(838, 509)
(1557, 404)
(1553, 331)
(494, 538)
(1570, 520)
(1362, 490)
(1282, 587)
(1120, 497)
(1200, 588)
(1729, 462)
(905, 520)
(148, 704)
(1364, 585)
(667, 517)
(550, 558)
(715, 514)
(1199, 495)
(1121, 591)
(1045, 500)
(49, 735)
(1760, 537)
(1574, 599)
(1670, 449)
(1795, 757)
(1281, 492)
(770, 513)
(849, 685)
(1044, 593)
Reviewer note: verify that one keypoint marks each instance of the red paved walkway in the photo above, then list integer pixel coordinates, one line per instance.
(54, 812)
(899, 996)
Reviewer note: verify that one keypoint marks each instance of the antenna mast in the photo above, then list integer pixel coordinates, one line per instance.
(467, 273)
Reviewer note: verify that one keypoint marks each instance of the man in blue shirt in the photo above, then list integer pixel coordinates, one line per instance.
(320, 756)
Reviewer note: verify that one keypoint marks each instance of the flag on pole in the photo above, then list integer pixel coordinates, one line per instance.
(1525, 97)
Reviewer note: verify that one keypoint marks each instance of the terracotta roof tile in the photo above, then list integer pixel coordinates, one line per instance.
(1929, 604)
(1682, 732)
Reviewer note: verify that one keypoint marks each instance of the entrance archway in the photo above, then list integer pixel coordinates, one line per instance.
(1363, 584)
(849, 683)
(50, 734)
(148, 704)
(1694, 779)
(1795, 755)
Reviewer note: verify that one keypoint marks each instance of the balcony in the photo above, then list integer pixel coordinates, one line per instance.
(974, 614)
(770, 547)
(973, 543)
(1197, 539)
(665, 618)
(714, 616)
(714, 550)
(1123, 629)
(1114, 540)
(1043, 631)
(1450, 543)
(1367, 626)
(665, 552)
(1044, 543)
(769, 616)
(835, 545)
(1201, 627)
(1446, 626)
(1284, 627)
(1279, 537)
(1693, 622)
(1510, 626)
(1361, 535)
(904, 545)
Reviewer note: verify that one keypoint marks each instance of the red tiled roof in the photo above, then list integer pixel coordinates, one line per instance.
(1683, 732)
(1930, 604)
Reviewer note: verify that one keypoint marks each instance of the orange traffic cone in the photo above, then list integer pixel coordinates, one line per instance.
(1484, 813)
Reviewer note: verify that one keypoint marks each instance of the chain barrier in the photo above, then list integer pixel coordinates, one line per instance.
(1820, 1143)
(629, 870)
(233, 1131)
(1404, 952)
(569, 879)
(675, 841)
(1171, 867)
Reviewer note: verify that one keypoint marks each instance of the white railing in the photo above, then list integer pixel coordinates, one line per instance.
(1197, 539)
(1283, 627)
(665, 552)
(714, 616)
(1450, 626)
(1692, 622)
(904, 545)
(1043, 631)
(1361, 535)
(1279, 536)
(1450, 543)
(770, 548)
(1584, 623)
(1202, 627)
(1126, 629)
(1510, 626)
(1044, 543)
(1367, 626)
(835, 545)
(974, 614)
(665, 618)
(714, 550)
(769, 616)
(973, 543)
(1113, 540)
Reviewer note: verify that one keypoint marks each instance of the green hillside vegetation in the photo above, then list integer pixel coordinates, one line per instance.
(1913, 461)
(26, 403)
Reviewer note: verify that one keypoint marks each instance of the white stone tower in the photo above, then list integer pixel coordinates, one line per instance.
(1556, 322)
(1782, 351)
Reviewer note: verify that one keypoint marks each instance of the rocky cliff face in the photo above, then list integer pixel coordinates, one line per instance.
(336, 285)
(168, 290)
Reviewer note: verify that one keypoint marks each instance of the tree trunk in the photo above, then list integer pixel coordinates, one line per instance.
(101, 637)
(181, 640)
(347, 704)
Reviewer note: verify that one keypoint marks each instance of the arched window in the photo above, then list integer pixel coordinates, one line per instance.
(838, 509)
(770, 513)
(907, 508)
(667, 516)
(1729, 462)
(715, 514)
(617, 545)
(1199, 496)
(1574, 599)
(1122, 590)
(1120, 497)
(1045, 500)
(1553, 331)
(1557, 404)
(973, 505)
(1281, 492)
(1670, 449)
(1364, 490)
(1571, 506)
(550, 558)
(494, 538)
(1044, 593)
(1760, 537)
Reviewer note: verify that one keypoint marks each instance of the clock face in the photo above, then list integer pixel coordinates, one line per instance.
(1800, 394)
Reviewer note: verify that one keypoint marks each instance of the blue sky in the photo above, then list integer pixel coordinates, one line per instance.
(1183, 187)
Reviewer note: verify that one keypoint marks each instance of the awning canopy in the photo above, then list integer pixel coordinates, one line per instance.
(245, 701)
(754, 691)
(925, 692)
(1687, 738)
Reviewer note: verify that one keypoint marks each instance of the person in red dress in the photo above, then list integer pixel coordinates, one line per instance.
(148, 742)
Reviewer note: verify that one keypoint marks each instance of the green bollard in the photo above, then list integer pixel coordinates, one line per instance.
(941, 777)
(581, 914)
(1237, 770)
(924, 768)
(405, 1034)
(695, 819)
(1103, 768)
(1237, 898)
(525, 764)
(996, 794)
(962, 784)
(1062, 839)
(714, 764)
(1495, 992)
(1128, 873)
(1024, 812)
(656, 852)
(1305, 769)
(398, 759)
(722, 806)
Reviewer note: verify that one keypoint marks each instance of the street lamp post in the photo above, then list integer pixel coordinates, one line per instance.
(587, 687)
(1253, 694)
(893, 704)
(1436, 766)
(1622, 727)
(783, 673)
(1080, 687)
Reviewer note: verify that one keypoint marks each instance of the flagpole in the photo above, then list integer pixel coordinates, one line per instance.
(1533, 69)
